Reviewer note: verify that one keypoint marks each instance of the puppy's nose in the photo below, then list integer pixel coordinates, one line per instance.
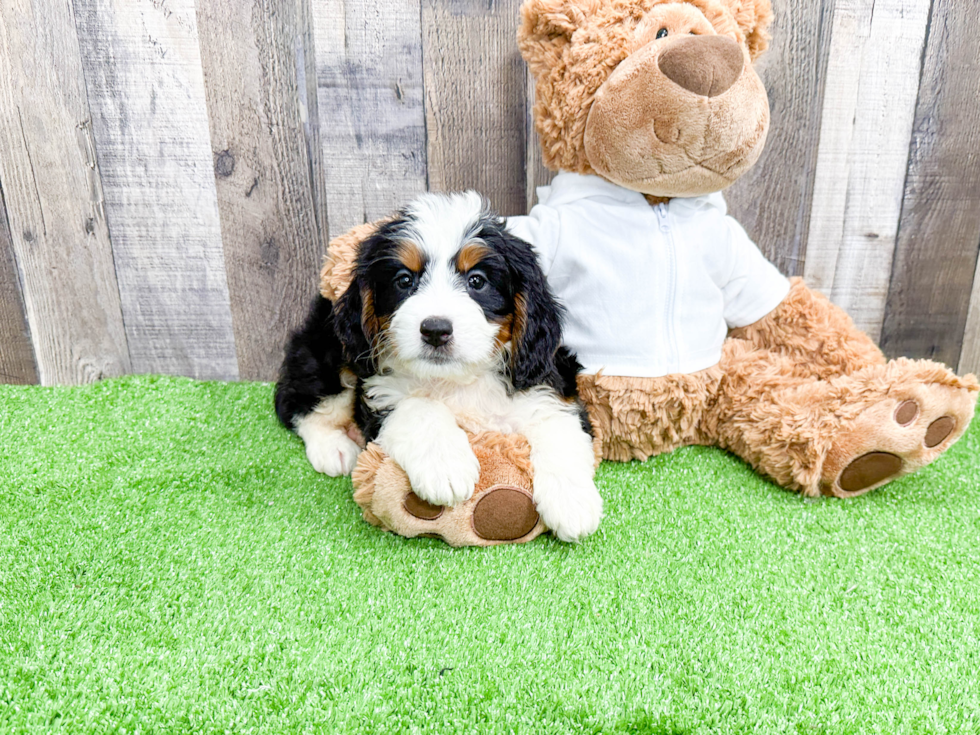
(436, 330)
(705, 65)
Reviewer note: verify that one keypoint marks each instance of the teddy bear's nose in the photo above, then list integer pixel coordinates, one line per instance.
(705, 65)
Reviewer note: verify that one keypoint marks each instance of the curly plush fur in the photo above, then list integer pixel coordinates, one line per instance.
(572, 46)
(801, 394)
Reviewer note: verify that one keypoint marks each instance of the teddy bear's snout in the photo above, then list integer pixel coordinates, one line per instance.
(705, 65)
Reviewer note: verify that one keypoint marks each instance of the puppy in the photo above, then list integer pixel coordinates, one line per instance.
(448, 327)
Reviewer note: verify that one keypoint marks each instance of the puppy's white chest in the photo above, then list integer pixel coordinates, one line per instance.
(480, 405)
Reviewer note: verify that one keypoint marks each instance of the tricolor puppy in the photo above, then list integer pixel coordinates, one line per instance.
(448, 327)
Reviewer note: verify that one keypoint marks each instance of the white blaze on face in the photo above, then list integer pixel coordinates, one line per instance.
(440, 226)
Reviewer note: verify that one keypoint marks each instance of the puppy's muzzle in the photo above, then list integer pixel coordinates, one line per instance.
(436, 330)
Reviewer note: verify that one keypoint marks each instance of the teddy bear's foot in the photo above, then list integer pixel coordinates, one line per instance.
(501, 509)
(909, 422)
(500, 513)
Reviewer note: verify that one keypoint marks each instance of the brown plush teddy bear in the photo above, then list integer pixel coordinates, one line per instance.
(648, 109)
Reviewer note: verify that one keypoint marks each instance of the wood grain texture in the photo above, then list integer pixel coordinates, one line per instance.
(143, 69)
(372, 121)
(262, 172)
(869, 106)
(309, 109)
(772, 201)
(475, 101)
(17, 364)
(536, 173)
(939, 232)
(50, 179)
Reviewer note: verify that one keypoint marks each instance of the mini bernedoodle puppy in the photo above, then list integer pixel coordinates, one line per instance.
(448, 327)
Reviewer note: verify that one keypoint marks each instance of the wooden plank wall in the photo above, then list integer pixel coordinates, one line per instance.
(171, 170)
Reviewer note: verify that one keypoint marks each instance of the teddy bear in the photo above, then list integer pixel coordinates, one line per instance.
(647, 110)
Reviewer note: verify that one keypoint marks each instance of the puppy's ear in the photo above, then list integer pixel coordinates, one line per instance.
(536, 334)
(353, 325)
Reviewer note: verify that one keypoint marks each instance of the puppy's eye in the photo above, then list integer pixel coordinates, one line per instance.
(404, 280)
(476, 281)
(662, 33)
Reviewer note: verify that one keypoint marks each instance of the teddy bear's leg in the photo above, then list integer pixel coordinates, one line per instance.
(636, 418)
(818, 336)
(843, 436)
(501, 509)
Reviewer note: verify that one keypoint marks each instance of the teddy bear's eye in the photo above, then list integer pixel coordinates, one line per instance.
(662, 33)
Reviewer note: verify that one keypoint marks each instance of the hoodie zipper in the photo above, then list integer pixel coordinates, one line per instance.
(662, 217)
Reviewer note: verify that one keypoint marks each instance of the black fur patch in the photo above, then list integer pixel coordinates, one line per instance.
(538, 315)
(342, 335)
(311, 370)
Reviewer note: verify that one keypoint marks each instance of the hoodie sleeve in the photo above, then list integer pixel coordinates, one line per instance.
(541, 229)
(754, 287)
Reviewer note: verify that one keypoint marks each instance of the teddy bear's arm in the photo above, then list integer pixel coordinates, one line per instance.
(817, 335)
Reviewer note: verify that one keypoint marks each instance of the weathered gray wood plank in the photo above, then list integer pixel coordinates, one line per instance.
(17, 364)
(939, 232)
(870, 91)
(143, 69)
(475, 100)
(536, 173)
(772, 201)
(265, 193)
(372, 122)
(310, 115)
(53, 200)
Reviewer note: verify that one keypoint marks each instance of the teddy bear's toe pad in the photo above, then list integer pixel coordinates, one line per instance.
(938, 431)
(896, 436)
(414, 505)
(504, 513)
(869, 469)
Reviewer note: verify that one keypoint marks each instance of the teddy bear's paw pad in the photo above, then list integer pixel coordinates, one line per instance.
(939, 430)
(906, 413)
(415, 506)
(504, 513)
(896, 436)
(869, 470)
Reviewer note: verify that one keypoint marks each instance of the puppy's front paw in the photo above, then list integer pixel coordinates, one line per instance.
(572, 509)
(447, 473)
(332, 452)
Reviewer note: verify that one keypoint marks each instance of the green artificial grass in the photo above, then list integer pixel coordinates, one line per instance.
(169, 562)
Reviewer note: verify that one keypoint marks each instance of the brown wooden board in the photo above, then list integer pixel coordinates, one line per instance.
(475, 100)
(143, 70)
(772, 201)
(369, 93)
(939, 230)
(262, 172)
(17, 363)
(54, 206)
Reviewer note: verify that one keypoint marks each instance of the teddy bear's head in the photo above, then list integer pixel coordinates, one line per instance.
(658, 96)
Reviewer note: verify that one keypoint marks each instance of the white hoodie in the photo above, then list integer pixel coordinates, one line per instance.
(650, 290)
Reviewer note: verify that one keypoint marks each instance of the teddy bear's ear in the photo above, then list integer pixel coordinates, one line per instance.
(547, 26)
(753, 18)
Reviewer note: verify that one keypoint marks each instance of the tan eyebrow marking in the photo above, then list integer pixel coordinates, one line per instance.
(411, 256)
(470, 256)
